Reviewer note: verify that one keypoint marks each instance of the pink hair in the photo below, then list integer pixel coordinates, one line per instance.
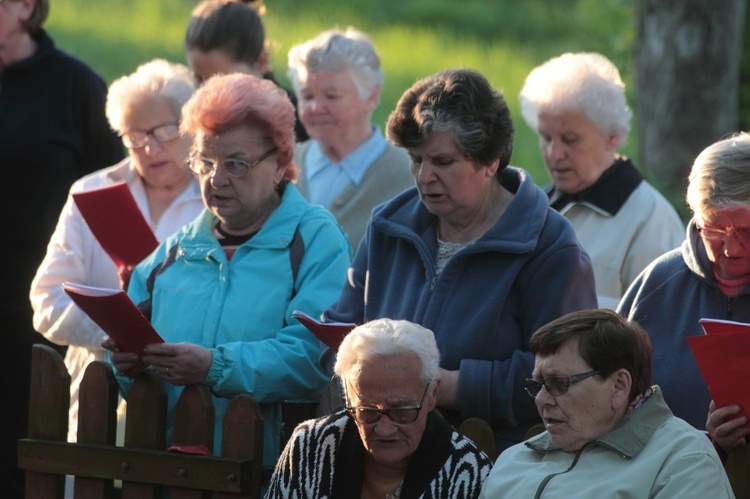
(227, 101)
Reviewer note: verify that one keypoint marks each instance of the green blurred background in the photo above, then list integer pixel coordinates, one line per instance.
(503, 39)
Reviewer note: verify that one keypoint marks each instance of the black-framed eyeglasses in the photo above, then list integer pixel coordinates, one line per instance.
(162, 134)
(233, 167)
(555, 385)
(400, 415)
(742, 235)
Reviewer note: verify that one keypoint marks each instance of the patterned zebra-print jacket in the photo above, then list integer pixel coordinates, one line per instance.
(325, 459)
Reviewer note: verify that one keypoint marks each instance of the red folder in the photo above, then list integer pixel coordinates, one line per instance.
(723, 356)
(330, 333)
(115, 220)
(116, 314)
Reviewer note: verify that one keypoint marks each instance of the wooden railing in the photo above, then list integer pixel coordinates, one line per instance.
(143, 465)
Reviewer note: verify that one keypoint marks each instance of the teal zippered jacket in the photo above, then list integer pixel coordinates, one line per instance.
(241, 309)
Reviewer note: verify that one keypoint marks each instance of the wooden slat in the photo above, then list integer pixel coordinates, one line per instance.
(49, 402)
(97, 424)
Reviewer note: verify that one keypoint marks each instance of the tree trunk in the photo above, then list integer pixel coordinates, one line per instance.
(687, 76)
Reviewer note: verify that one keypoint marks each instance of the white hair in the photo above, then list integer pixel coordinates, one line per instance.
(587, 83)
(335, 51)
(157, 78)
(388, 337)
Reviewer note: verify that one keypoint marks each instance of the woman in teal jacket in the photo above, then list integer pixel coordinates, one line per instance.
(221, 290)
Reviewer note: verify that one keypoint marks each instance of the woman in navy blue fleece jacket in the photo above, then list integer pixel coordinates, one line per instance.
(473, 252)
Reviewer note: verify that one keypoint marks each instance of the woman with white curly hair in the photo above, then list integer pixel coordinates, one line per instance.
(145, 109)
(387, 442)
(576, 103)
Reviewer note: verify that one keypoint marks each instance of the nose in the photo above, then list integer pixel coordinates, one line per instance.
(219, 177)
(424, 173)
(732, 247)
(554, 150)
(384, 426)
(544, 398)
(152, 146)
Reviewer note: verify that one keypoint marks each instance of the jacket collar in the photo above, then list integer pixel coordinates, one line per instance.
(517, 231)
(629, 438)
(608, 194)
(277, 231)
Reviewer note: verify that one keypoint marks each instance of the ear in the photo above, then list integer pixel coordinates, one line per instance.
(613, 142)
(278, 176)
(372, 100)
(261, 65)
(432, 402)
(622, 382)
(28, 9)
(491, 169)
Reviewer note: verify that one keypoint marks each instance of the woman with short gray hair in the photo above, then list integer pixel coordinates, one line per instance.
(347, 166)
(387, 442)
(576, 104)
(145, 109)
(707, 277)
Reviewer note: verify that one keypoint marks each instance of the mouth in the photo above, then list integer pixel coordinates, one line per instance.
(551, 423)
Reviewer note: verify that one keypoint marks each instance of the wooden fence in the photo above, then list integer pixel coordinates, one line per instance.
(143, 465)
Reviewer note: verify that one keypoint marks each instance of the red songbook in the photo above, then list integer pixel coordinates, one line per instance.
(116, 314)
(723, 356)
(330, 333)
(115, 220)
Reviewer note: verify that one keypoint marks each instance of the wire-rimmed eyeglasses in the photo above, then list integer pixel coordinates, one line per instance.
(400, 415)
(555, 385)
(162, 134)
(712, 234)
(236, 168)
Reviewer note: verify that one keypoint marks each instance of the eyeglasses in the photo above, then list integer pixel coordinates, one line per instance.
(162, 134)
(742, 235)
(399, 415)
(555, 385)
(233, 167)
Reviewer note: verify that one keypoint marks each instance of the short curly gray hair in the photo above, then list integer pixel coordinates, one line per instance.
(157, 78)
(335, 51)
(584, 82)
(384, 338)
(720, 177)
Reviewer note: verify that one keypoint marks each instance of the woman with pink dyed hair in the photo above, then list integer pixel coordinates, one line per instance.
(221, 291)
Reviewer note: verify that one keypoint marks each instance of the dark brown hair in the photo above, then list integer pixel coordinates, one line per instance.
(606, 341)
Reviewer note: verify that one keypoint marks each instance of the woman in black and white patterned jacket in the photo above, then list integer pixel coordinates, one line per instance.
(387, 442)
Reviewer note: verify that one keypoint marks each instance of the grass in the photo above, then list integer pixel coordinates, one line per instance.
(503, 39)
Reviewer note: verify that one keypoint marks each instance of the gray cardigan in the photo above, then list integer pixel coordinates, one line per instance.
(388, 176)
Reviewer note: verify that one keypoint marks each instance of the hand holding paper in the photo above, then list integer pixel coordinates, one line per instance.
(723, 356)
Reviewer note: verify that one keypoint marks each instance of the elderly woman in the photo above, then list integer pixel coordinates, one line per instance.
(222, 290)
(473, 252)
(576, 103)
(227, 36)
(145, 108)
(388, 442)
(709, 276)
(609, 432)
(348, 167)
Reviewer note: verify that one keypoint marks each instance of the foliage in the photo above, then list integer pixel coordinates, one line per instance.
(504, 39)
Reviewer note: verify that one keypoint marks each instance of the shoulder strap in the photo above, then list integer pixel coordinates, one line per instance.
(146, 306)
(296, 253)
